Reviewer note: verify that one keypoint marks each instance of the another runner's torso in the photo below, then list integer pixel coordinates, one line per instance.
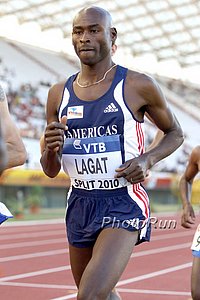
(102, 134)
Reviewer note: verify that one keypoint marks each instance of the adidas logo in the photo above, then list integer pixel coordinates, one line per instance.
(110, 108)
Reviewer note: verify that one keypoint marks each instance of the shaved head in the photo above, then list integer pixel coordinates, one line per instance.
(102, 13)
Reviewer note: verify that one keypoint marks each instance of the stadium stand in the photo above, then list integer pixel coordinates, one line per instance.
(185, 90)
(27, 72)
(27, 63)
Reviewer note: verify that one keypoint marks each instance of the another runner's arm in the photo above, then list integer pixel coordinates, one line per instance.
(3, 153)
(16, 152)
(157, 137)
(187, 178)
(53, 135)
(159, 111)
(185, 187)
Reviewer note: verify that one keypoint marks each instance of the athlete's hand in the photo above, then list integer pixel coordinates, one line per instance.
(188, 216)
(134, 170)
(54, 135)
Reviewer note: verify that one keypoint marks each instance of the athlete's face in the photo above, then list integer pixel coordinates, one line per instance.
(91, 37)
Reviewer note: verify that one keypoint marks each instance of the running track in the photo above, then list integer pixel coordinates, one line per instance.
(34, 263)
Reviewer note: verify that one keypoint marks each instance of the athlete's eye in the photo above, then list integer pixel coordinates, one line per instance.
(94, 30)
(77, 32)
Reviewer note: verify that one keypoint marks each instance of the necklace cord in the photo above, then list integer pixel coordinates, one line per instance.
(96, 82)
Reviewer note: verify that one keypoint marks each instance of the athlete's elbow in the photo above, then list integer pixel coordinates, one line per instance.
(22, 155)
(177, 136)
(16, 153)
(22, 158)
(16, 159)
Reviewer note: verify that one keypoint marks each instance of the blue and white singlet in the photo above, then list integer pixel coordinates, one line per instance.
(102, 134)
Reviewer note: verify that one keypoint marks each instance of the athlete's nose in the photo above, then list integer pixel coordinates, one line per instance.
(85, 37)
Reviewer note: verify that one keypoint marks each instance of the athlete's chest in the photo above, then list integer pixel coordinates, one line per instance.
(98, 118)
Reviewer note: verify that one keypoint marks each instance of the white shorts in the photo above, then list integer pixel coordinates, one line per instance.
(196, 243)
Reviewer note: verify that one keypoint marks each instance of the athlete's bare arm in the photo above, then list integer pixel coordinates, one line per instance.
(16, 152)
(143, 94)
(185, 186)
(3, 153)
(53, 139)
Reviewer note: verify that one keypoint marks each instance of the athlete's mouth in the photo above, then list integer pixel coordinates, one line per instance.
(86, 49)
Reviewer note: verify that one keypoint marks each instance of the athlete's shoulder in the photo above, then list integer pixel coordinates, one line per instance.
(141, 79)
(57, 87)
(195, 155)
(55, 95)
(143, 84)
(56, 91)
(196, 148)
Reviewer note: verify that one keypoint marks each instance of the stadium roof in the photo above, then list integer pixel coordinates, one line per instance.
(168, 29)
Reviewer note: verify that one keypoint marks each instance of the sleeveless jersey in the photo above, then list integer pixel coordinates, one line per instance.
(102, 134)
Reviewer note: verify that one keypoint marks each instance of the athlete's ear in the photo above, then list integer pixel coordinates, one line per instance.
(113, 32)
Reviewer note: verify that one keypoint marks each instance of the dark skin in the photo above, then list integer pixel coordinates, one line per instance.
(3, 154)
(95, 269)
(188, 215)
(15, 150)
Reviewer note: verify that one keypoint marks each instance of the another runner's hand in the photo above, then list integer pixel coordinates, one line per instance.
(188, 216)
(134, 170)
(54, 135)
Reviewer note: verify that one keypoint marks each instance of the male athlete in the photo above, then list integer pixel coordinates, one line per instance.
(100, 111)
(188, 216)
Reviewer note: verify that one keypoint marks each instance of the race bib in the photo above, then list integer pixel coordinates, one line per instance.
(91, 162)
(196, 240)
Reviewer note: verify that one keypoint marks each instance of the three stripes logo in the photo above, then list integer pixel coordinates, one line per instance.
(110, 108)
